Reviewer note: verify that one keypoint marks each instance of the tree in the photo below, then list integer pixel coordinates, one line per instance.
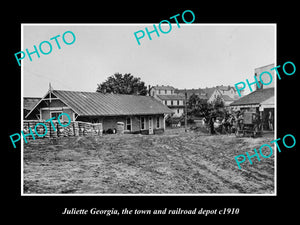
(218, 102)
(193, 106)
(198, 107)
(120, 84)
(218, 105)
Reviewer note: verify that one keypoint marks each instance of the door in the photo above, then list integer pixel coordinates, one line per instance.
(150, 125)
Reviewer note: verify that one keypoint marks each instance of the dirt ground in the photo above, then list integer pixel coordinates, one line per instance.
(172, 163)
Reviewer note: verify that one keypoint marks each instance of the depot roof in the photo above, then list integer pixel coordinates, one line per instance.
(100, 104)
(256, 97)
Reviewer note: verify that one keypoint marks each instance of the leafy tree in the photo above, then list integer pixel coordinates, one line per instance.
(123, 84)
(218, 102)
(218, 105)
(193, 104)
(198, 107)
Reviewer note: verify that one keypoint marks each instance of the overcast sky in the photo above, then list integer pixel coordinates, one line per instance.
(192, 56)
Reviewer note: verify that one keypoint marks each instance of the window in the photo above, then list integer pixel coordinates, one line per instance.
(177, 102)
(157, 122)
(142, 123)
(178, 111)
(165, 91)
(159, 92)
(165, 102)
(171, 102)
(55, 114)
(128, 123)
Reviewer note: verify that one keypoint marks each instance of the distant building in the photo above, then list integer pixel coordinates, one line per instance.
(167, 95)
(161, 90)
(199, 92)
(228, 90)
(227, 93)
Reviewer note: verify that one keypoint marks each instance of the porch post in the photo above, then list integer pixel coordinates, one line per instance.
(164, 121)
(262, 121)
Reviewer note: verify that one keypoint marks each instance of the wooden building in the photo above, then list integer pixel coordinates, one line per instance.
(139, 114)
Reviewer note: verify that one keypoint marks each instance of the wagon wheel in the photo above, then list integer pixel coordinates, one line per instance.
(254, 134)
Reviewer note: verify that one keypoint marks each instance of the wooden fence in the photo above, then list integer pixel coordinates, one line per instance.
(75, 128)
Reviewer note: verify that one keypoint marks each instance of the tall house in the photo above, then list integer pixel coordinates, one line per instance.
(167, 95)
(161, 90)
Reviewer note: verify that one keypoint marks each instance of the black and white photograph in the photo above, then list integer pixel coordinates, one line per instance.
(135, 112)
(148, 109)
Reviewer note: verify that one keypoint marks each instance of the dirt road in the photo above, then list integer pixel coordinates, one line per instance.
(172, 163)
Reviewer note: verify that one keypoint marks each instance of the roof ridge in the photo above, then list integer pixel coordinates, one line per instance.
(96, 92)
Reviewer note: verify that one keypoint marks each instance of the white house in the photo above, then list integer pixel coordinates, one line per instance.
(167, 95)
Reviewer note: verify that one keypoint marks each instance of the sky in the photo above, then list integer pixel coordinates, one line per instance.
(192, 56)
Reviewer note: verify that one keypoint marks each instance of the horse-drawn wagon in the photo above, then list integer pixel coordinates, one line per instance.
(248, 125)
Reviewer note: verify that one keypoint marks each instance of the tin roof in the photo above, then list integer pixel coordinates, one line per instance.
(30, 102)
(99, 104)
(255, 97)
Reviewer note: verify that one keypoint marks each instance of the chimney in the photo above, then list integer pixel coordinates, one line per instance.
(149, 90)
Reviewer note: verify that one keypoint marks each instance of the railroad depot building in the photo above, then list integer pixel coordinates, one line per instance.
(140, 114)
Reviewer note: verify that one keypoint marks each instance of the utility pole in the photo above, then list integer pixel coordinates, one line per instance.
(185, 111)
(49, 91)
